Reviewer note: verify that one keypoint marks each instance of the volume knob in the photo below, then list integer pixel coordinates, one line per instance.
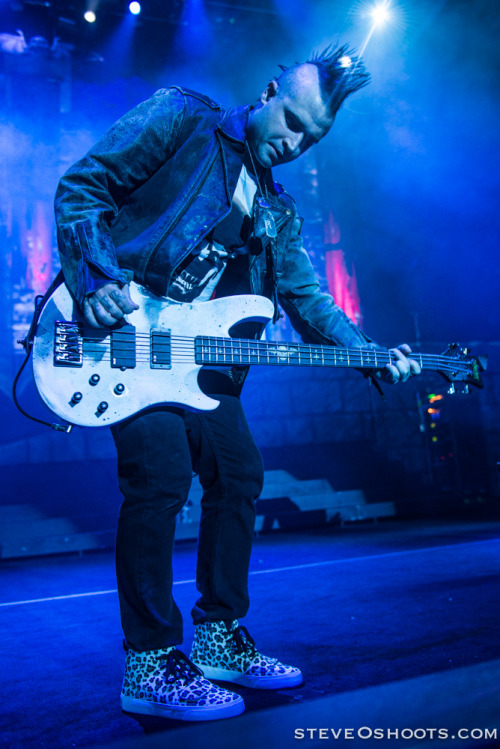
(103, 406)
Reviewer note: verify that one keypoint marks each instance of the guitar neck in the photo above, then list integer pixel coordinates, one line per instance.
(239, 351)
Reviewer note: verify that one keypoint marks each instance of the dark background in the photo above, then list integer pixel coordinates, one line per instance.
(409, 171)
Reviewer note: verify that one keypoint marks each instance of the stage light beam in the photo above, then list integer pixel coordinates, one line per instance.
(380, 14)
(134, 8)
(89, 16)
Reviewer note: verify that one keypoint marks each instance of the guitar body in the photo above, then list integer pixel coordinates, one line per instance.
(93, 392)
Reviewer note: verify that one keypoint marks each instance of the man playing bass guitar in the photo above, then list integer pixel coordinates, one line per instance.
(179, 197)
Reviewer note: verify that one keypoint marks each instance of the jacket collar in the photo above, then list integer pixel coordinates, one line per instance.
(234, 124)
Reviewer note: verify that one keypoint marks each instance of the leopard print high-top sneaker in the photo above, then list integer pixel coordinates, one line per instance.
(165, 683)
(226, 652)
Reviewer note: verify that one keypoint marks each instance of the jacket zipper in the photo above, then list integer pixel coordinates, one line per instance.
(181, 213)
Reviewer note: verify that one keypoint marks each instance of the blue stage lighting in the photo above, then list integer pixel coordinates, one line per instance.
(380, 14)
(134, 8)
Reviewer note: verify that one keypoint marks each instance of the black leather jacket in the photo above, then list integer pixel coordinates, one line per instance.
(146, 194)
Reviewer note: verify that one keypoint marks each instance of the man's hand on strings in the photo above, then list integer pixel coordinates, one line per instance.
(402, 366)
(106, 306)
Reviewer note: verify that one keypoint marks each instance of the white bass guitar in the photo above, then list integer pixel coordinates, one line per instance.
(98, 377)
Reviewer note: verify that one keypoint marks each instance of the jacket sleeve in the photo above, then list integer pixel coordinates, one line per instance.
(313, 313)
(91, 192)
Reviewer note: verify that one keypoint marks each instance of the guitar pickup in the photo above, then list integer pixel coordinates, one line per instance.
(161, 357)
(68, 344)
(123, 355)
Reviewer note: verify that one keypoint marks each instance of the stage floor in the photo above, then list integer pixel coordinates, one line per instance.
(394, 625)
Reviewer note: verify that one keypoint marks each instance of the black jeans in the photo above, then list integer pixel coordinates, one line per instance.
(157, 452)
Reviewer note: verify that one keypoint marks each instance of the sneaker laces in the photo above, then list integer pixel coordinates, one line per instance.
(242, 641)
(179, 667)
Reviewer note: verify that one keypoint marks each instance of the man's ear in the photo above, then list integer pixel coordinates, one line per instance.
(270, 91)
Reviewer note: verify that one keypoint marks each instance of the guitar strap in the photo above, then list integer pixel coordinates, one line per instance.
(27, 344)
(40, 301)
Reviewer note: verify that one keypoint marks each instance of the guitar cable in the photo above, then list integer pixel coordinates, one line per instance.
(27, 344)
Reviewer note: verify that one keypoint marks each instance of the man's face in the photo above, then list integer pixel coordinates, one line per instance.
(291, 118)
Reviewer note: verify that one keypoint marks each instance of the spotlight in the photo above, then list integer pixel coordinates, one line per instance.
(134, 8)
(380, 14)
(89, 16)
(345, 62)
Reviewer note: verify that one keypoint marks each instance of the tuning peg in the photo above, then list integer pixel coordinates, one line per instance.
(451, 389)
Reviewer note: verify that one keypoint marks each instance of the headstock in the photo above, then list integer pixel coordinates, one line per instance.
(458, 366)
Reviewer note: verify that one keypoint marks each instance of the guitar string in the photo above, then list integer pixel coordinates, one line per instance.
(244, 360)
(353, 359)
(240, 349)
(263, 346)
(428, 360)
(237, 342)
(232, 341)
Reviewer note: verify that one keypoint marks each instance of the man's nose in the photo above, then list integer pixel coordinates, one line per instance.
(293, 142)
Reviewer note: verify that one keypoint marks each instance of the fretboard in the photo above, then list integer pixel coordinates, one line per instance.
(239, 351)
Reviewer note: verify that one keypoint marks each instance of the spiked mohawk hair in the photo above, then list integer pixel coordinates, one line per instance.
(341, 73)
